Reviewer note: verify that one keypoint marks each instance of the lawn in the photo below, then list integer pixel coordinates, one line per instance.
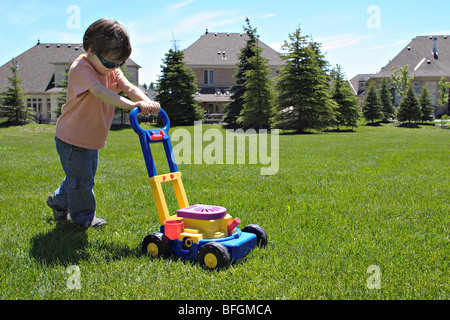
(341, 204)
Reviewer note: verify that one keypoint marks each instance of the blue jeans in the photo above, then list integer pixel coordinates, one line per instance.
(76, 193)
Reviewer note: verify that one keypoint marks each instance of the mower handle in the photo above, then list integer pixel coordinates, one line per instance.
(137, 128)
(154, 135)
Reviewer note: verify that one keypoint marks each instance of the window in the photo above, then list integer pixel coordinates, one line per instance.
(212, 108)
(49, 109)
(208, 77)
(416, 87)
(36, 105)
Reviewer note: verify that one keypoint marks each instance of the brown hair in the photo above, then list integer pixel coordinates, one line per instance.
(108, 38)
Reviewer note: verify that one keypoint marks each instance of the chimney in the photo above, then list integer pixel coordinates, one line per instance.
(435, 54)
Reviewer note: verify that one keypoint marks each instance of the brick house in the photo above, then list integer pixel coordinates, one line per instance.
(41, 69)
(213, 59)
(428, 58)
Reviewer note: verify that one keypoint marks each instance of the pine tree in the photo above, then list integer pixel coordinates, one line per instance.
(409, 108)
(372, 105)
(176, 87)
(12, 100)
(401, 80)
(387, 109)
(426, 109)
(62, 95)
(444, 95)
(233, 109)
(124, 114)
(304, 94)
(347, 113)
(259, 96)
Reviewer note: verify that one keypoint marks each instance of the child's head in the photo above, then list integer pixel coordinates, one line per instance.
(109, 39)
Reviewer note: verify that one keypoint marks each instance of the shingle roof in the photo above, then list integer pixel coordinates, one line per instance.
(212, 98)
(354, 82)
(212, 48)
(418, 54)
(36, 65)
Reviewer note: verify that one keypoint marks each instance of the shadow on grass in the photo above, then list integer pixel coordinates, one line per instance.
(68, 244)
(374, 124)
(409, 125)
(65, 244)
(340, 130)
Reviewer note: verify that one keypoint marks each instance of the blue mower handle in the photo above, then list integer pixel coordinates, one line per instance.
(149, 136)
(137, 128)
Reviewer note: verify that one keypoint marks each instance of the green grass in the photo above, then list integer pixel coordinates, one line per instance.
(340, 202)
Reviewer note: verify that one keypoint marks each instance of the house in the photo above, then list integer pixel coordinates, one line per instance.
(213, 58)
(42, 68)
(358, 83)
(428, 58)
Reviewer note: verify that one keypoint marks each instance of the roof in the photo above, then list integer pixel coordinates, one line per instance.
(36, 65)
(212, 98)
(221, 49)
(418, 54)
(354, 82)
(216, 94)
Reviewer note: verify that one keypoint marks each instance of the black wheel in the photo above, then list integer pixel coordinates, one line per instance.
(214, 255)
(156, 245)
(261, 235)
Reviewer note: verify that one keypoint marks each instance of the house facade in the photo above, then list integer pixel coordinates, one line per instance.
(428, 58)
(213, 59)
(42, 68)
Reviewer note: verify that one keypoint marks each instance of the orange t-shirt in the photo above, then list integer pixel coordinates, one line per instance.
(85, 120)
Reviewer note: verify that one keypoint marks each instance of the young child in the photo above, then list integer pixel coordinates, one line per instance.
(94, 82)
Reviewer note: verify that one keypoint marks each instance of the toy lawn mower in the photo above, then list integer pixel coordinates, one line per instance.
(203, 233)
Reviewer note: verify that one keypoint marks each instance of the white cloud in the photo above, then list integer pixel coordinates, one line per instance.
(54, 36)
(389, 45)
(269, 15)
(341, 41)
(179, 5)
(277, 46)
(141, 34)
(207, 20)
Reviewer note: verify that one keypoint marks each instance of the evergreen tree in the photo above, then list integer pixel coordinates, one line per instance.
(124, 114)
(233, 109)
(443, 98)
(387, 109)
(12, 100)
(176, 87)
(259, 96)
(304, 100)
(409, 108)
(426, 109)
(372, 105)
(62, 95)
(401, 80)
(347, 113)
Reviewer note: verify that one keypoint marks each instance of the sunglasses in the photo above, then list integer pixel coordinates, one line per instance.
(106, 63)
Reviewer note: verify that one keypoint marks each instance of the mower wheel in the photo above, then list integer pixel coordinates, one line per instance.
(214, 255)
(261, 235)
(156, 245)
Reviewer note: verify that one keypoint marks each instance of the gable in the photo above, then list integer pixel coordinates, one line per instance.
(42, 64)
(418, 54)
(222, 49)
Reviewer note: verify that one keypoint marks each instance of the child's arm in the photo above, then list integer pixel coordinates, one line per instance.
(136, 94)
(113, 99)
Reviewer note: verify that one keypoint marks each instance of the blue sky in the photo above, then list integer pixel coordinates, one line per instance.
(360, 35)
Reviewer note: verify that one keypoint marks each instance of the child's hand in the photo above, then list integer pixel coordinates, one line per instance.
(155, 107)
(144, 106)
(147, 107)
